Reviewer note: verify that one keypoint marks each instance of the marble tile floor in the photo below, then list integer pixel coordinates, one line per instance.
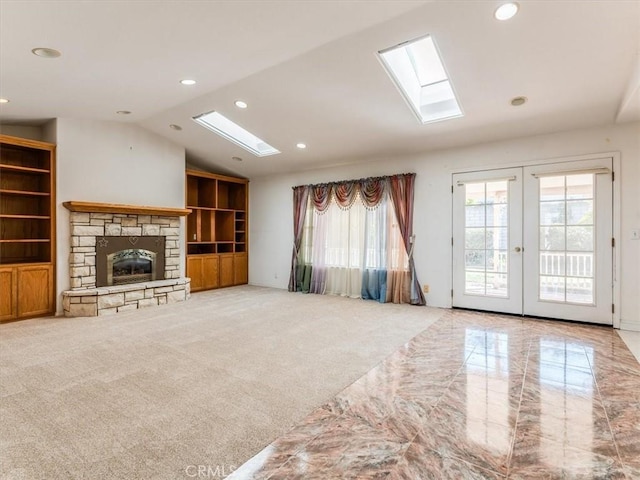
(476, 396)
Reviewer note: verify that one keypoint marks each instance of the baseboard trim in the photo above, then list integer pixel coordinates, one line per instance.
(629, 325)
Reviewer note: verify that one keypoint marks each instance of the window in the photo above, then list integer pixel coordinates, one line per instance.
(486, 238)
(235, 133)
(419, 73)
(567, 246)
(355, 238)
(345, 245)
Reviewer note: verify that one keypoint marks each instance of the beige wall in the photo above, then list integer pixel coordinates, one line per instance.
(271, 233)
(22, 131)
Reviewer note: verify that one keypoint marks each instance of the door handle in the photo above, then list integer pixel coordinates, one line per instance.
(518, 249)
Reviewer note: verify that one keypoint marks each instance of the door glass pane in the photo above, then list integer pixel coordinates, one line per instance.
(486, 238)
(567, 246)
(474, 193)
(580, 212)
(580, 239)
(578, 290)
(497, 284)
(551, 188)
(552, 288)
(580, 265)
(474, 260)
(474, 282)
(552, 263)
(552, 238)
(474, 238)
(497, 215)
(497, 238)
(496, 192)
(579, 186)
(497, 261)
(474, 215)
(552, 213)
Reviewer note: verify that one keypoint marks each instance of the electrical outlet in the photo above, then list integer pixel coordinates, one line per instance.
(425, 288)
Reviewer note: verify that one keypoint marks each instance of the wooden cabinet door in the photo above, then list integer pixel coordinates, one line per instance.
(210, 272)
(226, 270)
(204, 271)
(8, 293)
(35, 289)
(241, 269)
(194, 271)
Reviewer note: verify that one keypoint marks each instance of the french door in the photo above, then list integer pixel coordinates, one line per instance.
(535, 240)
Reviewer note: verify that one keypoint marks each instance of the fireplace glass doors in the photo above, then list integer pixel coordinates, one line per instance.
(131, 266)
(123, 260)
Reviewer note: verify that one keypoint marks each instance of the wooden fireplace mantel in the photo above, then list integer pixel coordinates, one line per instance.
(91, 207)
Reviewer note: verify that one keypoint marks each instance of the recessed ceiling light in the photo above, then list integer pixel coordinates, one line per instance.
(173, 126)
(46, 52)
(123, 112)
(301, 146)
(506, 11)
(237, 159)
(188, 81)
(517, 101)
(241, 104)
(4, 100)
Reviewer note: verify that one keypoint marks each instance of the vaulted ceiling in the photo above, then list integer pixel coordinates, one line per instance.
(309, 72)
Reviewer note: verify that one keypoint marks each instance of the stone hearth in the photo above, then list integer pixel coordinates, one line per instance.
(109, 300)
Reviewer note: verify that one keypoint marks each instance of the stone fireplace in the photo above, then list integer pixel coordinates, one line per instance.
(123, 258)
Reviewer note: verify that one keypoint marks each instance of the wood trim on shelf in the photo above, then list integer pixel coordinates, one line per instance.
(91, 207)
(216, 176)
(25, 217)
(24, 240)
(24, 192)
(18, 168)
(27, 142)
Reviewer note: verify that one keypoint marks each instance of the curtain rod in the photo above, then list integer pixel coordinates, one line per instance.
(384, 177)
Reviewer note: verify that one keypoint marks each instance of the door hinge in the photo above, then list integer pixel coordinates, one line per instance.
(613, 176)
(451, 188)
(613, 242)
(452, 292)
(451, 240)
(613, 308)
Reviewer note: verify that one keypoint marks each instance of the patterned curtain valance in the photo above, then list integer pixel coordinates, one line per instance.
(321, 196)
(371, 190)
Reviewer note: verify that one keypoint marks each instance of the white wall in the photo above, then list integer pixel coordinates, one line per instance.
(112, 162)
(271, 211)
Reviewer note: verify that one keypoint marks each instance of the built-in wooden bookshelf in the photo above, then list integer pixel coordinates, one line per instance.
(217, 254)
(27, 228)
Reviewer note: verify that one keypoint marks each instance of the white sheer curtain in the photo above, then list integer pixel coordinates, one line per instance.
(343, 244)
(347, 247)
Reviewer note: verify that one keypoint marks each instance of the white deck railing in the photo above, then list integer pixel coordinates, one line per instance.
(569, 264)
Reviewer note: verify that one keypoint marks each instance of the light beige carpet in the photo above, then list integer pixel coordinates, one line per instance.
(161, 392)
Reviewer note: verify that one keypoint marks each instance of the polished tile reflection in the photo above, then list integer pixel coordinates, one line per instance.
(476, 396)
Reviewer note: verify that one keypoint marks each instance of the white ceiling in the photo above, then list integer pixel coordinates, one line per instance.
(309, 71)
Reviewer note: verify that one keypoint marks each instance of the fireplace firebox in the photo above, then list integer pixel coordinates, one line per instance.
(123, 260)
(132, 265)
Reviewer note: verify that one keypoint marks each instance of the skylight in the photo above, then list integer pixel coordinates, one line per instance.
(235, 133)
(417, 70)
